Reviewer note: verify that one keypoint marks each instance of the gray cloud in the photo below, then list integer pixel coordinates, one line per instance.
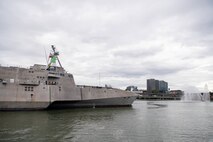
(120, 39)
(137, 52)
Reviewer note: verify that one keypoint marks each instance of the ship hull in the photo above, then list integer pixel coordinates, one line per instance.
(105, 102)
(9, 105)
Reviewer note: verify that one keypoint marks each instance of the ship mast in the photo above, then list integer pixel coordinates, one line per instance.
(53, 57)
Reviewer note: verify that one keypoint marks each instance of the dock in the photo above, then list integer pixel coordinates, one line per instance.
(158, 97)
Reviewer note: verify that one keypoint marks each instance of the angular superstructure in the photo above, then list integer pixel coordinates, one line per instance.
(42, 87)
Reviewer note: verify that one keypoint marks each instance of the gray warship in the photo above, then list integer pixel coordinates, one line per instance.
(50, 86)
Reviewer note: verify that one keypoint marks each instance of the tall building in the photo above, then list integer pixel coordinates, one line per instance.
(150, 85)
(156, 86)
(163, 86)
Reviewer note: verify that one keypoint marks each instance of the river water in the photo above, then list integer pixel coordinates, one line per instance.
(145, 121)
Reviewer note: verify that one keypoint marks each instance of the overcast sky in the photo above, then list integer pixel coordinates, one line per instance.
(123, 41)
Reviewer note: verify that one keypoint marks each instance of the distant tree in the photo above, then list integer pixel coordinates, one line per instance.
(131, 88)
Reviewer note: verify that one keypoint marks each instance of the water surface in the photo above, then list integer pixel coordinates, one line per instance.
(157, 121)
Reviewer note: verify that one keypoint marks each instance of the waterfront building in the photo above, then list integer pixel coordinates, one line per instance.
(163, 86)
(151, 85)
(156, 86)
(178, 93)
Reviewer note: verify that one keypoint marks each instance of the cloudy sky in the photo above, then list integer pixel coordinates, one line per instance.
(124, 42)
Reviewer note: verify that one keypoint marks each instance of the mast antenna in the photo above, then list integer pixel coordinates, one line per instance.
(46, 55)
(53, 57)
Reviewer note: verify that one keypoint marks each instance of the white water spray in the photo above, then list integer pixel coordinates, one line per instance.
(202, 96)
(196, 97)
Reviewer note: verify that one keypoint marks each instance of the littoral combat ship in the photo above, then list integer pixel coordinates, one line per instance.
(50, 86)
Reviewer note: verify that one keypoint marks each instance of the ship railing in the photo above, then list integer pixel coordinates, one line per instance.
(87, 86)
(13, 66)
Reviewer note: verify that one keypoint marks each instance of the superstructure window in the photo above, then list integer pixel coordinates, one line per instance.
(61, 74)
(41, 77)
(28, 88)
(52, 83)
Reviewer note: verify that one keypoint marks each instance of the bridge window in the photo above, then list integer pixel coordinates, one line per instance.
(51, 83)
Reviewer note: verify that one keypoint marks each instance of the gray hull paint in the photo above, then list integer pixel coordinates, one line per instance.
(106, 102)
(23, 105)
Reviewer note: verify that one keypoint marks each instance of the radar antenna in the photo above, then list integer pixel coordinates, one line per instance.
(53, 57)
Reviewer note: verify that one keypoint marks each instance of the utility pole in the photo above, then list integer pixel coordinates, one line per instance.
(99, 79)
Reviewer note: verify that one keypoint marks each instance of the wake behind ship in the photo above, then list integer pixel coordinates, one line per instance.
(50, 86)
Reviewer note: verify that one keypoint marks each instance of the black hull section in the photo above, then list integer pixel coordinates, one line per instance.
(106, 102)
